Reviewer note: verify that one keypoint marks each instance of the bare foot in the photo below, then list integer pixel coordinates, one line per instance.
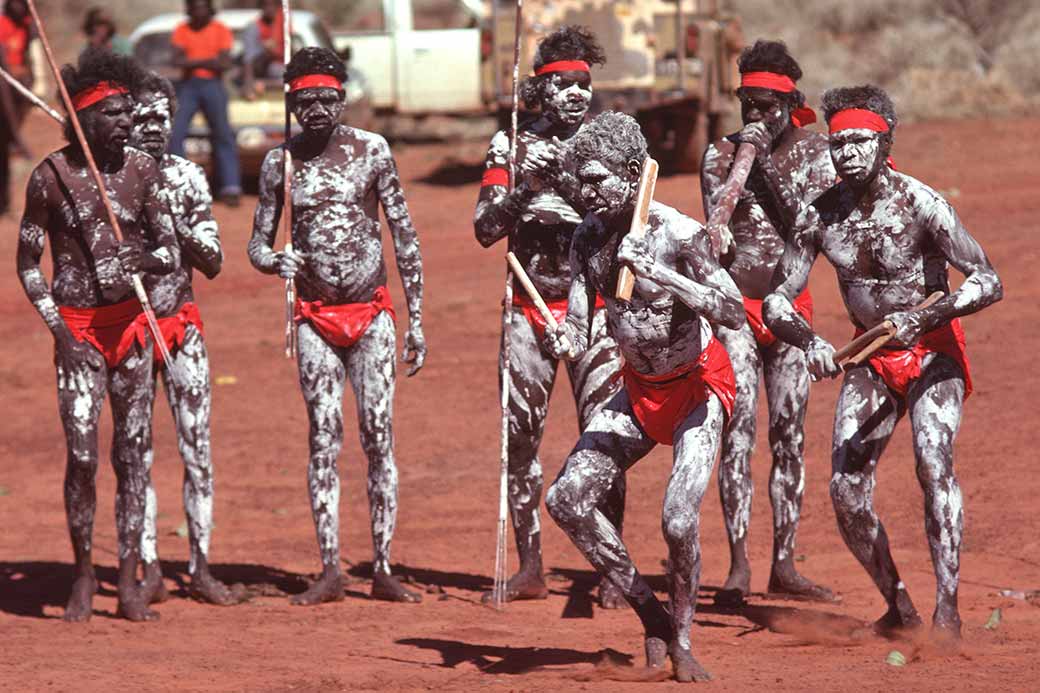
(686, 668)
(610, 597)
(789, 582)
(898, 623)
(656, 652)
(946, 628)
(328, 588)
(134, 607)
(80, 605)
(152, 587)
(207, 588)
(523, 585)
(737, 586)
(389, 588)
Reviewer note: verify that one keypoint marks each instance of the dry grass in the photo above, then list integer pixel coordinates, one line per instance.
(931, 62)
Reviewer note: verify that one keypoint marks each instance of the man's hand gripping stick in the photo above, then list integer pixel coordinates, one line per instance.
(532, 291)
(860, 349)
(640, 218)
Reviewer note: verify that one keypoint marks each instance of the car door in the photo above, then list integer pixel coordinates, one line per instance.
(438, 57)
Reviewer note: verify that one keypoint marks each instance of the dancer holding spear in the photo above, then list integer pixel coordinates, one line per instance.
(343, 314)
(516, 201)
(100, 328)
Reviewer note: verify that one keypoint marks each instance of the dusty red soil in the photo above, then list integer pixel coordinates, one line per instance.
(447, 447)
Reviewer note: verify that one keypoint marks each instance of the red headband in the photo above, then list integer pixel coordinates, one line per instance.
(91, 95)
(312, 81)
(801, 116)
(767, 80)
(562, 66)
(857, 118)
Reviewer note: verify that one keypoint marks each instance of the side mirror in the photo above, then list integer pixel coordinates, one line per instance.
(345, 54)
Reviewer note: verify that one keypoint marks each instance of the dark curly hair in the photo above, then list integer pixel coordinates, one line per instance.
(315, 61)
(566, 43)
(772, 56)
(99, 65)
(154, 83)
(612, 138)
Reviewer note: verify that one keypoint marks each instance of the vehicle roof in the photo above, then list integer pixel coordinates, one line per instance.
(235, 20)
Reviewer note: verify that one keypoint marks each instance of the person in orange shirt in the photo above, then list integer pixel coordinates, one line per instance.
(15, 34)
(202, 51)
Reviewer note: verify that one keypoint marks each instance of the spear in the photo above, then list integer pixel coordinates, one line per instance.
(290, 284)
(142, 296)
(498, 594)
(31, 97)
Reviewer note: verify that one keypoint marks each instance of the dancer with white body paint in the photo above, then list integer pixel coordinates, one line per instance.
(539, 225)
(186, 194)
(792, 167)
(678, 382)
(345, 321)
(101, 339)
(890, 239)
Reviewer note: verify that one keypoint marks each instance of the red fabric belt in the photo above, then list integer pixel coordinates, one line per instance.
(753, 307)
(900, 367)
(174, 326)
(343, 325)
(112, 330)
(662, 402)
(558, 308)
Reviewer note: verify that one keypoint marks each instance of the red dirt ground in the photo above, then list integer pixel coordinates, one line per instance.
(447, 448)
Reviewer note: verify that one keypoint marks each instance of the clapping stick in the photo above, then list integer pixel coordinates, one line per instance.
(142, 296)
(532, 291)
(859, 349)
(640, 218)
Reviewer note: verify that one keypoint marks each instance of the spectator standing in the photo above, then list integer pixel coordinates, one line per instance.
(262, 49)
(101, 32)
(202, 51)
(15, 34)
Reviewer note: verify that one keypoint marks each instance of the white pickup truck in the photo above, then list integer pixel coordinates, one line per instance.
(419, 56)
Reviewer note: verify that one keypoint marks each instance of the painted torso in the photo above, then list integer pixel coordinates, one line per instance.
(78, 225)
(655, 331)
(880, 246)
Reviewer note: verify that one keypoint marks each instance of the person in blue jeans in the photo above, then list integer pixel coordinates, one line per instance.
(202, 50)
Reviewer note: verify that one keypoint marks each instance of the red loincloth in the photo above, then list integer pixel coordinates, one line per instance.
(662, 402)
(899, 367)
(173, 327)
(558, 308)
(753, 307)
(345, 324)
(112, 330)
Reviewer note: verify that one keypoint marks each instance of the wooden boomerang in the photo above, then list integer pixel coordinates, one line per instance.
(532, 291)
(859, 349)
(640, 217)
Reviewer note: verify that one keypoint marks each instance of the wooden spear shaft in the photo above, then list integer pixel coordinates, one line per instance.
(142, 296)
(31, 97)
(498, 593)
(290, 284)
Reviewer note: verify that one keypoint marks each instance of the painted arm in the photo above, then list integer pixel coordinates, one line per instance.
(698, 280)
(498, 208)
(981, 286)
(406, 250)
(785, 193)
(158, 228)
(789, 280)
(198, 234)
(31, 239)
(262, 254)
(715, 167)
